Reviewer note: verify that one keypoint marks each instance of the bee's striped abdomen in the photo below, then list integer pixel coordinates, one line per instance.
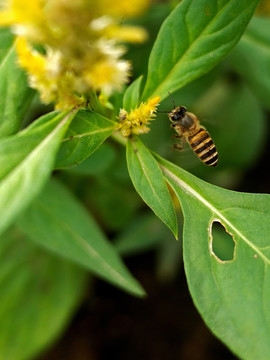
(204, 148)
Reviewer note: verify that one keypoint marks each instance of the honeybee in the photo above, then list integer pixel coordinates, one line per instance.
(188, 128)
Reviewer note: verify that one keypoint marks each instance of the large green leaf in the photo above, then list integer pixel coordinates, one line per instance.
(251, 58)
(7, 39)
(132, 94)
(26, 162)
(143, 233)
(149, 183)
(113, 190)
(86, 133)
(100, 161)
(16, 96)
(194, 38)
(58, 222)
(38, 295)
(232, 296)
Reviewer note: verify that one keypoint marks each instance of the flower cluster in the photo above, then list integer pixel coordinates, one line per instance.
(70, 48)
(136, 120)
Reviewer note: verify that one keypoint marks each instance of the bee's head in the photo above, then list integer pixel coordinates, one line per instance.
(178, 113)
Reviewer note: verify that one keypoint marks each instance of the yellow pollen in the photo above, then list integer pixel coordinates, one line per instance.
(136, 120)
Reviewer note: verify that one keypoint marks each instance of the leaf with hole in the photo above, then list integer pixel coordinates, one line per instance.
(39, 293)
(149, 183)
(86, 133)
(193, 39)
(232, 296)
(26, 160)
(58, 222)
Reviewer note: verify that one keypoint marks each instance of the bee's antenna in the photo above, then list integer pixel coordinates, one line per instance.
(174, 106)
(163, 111)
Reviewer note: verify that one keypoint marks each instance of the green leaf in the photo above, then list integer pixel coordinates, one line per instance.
(26, 162)
(193, 39)
(58, 222)
(143, 233)
(7, 39)
(251, 58)
(169, 260)
(16, 96)
(232, 296)
(86, 133)
(38, 295)
(132, 94)
(100, 161)
(114, 191)
(149, 182)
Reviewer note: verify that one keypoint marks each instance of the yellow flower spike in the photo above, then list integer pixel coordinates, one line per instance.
(136, 120)
(152, 103)
(88, 59)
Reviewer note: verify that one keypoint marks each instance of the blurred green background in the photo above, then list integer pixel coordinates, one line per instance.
(101, 322)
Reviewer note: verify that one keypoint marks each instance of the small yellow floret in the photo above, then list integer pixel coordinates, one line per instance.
(127, 8)
(30, 59)
(132, 34)
(107, 74)
(136, 120)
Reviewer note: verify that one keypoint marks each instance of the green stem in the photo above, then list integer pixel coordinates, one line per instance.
(119, 138)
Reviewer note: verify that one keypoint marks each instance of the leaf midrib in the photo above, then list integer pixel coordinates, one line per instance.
(5, 58)
(89, 133)
(149, 181)
(35, 151)
(83, 242)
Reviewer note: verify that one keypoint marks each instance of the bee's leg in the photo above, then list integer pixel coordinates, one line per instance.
(179, 146)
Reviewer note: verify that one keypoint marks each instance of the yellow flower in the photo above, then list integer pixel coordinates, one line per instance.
(136, 120)
(120, 8)
(80, 45)
(133, 34)
(44, 77)
(107, 75)
(19, 12)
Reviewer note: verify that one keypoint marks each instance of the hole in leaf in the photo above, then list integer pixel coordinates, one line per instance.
(222, 243)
